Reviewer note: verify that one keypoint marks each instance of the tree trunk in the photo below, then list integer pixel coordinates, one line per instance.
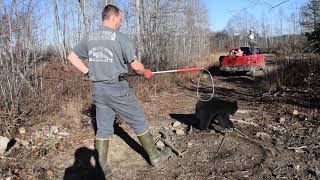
(107, 2)
(138, 27)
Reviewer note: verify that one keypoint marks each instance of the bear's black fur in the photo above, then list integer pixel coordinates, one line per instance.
(215, 111)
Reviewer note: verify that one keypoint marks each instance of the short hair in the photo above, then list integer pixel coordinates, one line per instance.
(110, 10)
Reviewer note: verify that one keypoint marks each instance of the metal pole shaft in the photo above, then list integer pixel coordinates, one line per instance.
(162, 72)
(179, 70)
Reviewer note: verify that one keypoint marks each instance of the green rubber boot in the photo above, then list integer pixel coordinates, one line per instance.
(101, 146)
(154, 154)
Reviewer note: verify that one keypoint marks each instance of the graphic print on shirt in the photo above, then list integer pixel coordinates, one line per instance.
(100, 54)
(102, 36)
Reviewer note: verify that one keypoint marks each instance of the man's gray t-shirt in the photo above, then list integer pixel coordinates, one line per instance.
(109, 52)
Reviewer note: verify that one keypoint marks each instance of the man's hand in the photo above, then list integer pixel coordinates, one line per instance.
(86, 76)
(138, 67)
(77, 62)
(147, 74)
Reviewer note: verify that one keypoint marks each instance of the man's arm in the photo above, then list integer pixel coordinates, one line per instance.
(138, 67)
(77, 62)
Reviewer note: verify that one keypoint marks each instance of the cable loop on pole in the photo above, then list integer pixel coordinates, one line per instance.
(198, 86)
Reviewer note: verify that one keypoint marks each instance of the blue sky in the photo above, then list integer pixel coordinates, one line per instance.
(220, 11)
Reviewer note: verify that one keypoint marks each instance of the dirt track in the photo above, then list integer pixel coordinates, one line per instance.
(288, 150)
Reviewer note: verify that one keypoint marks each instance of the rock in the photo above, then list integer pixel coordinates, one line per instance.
(3, 144)
(296, 125)
(16, 146)
(179, 132)
(63, 134)
(166, 128)
(24, 143)
(160, 144)
(190, 144)
(295, 112)
(22, 130)
(278, 141)
(54, 129)
(243, 111)
(49, 173)
(48, 135)
(278, 129)
(263, 135)
(176, 124)
(38, 134)
(282, 120)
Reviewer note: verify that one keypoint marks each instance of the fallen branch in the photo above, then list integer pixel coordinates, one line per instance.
(174, 149)
(298, 148)
(8, 158)
(244, 122)
(170, 145)
(221, 143)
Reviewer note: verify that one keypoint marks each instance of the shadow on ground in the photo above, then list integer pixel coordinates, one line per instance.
(187, 119)
(83, 168)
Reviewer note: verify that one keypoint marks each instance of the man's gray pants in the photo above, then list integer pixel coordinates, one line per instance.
(112, 99)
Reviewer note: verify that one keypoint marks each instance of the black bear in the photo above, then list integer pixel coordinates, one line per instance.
(215, 112)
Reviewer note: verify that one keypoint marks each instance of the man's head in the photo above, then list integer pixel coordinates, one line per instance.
(111, 17)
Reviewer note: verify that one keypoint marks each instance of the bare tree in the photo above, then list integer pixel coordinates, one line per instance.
(60, 46)
(19, 52)
(108, 2)
(172, 32)
(138, 27)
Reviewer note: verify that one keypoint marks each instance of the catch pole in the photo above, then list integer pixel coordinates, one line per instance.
(179, 70)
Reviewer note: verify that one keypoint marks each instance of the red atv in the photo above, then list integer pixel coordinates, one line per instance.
(242, 61)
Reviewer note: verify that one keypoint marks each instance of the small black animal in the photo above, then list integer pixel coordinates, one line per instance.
(215, 112)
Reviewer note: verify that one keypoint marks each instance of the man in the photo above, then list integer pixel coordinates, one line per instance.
(252, 41)
(239, 52)
(110, 52)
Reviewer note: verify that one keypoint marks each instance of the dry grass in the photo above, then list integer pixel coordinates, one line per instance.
(10, 122)
(63, 83)
(299, 72)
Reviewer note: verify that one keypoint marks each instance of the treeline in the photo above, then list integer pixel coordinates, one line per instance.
(282, 33)
(286, 44)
